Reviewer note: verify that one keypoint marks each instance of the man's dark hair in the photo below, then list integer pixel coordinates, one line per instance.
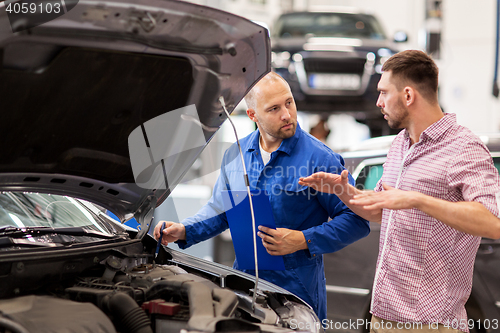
(417, 68)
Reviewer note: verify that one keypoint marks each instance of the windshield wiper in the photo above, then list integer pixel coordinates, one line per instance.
(13, 232)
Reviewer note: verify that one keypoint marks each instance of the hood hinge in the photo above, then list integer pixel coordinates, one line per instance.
(144, 215)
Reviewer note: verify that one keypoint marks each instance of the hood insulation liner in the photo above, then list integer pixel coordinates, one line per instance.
(75, 107)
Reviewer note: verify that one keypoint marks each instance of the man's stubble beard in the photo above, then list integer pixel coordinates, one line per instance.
(395, 121)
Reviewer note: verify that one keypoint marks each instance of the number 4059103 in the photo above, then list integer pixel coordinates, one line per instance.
(34, 8)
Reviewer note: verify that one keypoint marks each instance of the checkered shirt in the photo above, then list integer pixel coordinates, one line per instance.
(424, 268)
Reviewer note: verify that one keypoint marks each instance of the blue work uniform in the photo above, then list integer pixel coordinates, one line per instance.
(294, 207)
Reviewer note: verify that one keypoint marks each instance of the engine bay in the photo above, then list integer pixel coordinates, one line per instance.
(124, 290)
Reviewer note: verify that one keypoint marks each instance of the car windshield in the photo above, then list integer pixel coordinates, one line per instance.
(329, 25)
(38, 211)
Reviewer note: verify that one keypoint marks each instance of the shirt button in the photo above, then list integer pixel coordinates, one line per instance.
(309, 241)
(314, 255)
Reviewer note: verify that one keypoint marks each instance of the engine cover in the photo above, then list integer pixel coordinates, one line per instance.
(47, 314)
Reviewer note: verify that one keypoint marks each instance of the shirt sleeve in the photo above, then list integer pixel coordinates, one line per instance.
(344, 228)
(473, 175)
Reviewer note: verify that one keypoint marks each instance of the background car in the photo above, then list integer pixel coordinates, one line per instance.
(350, 271)
(332, 61)
(104, 109)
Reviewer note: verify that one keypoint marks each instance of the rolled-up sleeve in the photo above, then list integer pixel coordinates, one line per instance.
(473, 175)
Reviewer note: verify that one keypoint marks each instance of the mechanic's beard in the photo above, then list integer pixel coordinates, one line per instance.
(288, 134)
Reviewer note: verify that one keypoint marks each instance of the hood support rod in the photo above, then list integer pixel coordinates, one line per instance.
(247, 183)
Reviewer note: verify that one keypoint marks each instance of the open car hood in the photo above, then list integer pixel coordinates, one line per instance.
(113, 101)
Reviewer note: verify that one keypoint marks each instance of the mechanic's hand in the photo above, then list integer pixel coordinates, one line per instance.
(282, 241)
(390, 198)
(327, 182)
(173, 231)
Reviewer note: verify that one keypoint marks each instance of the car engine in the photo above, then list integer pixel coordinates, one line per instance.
(125, 291)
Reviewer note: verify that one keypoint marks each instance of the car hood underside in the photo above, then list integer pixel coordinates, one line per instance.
(74, 89)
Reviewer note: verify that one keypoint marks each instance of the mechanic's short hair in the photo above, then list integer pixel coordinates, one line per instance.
(417, 68)
(251, 97)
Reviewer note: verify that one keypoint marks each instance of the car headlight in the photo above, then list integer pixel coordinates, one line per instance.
(383, 54)
(299, 317)
(280, 59)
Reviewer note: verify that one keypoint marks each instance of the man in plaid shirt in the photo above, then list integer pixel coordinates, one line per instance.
(438, 195)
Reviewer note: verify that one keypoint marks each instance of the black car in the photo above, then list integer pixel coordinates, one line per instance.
(103, 109)
(350, 271)
(333, 61)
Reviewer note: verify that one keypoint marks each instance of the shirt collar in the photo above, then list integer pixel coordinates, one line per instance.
(437, 129)
(286, 145)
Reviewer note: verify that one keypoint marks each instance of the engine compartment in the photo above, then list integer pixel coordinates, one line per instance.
(125, 290)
